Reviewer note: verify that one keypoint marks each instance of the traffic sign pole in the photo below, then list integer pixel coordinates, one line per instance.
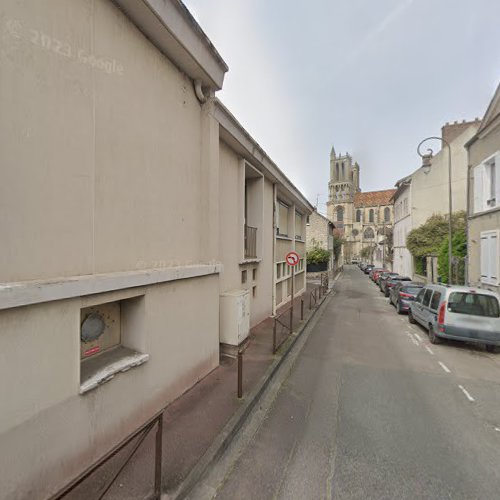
(292, 259)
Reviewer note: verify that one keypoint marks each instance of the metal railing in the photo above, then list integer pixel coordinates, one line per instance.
(250, 242)
(141, 434)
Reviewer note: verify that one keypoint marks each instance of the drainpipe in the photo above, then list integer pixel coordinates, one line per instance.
(274, 252)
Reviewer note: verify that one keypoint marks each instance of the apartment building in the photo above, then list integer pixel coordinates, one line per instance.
(484, 200)
(127, 197)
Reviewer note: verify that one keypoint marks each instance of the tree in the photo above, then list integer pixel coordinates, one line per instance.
(367, 252)
(318, 256)
(338, 241)
(429, 238)
(458, 252)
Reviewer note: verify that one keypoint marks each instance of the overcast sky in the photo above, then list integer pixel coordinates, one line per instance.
(372, 77)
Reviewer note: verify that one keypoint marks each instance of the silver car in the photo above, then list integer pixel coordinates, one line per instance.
(458, 313)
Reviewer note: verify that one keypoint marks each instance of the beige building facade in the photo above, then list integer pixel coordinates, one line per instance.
(484, 200)
(123, 223)
(320, 234)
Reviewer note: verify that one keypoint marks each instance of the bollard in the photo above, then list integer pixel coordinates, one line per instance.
(274, 337)
(301, 309)
(240, 375)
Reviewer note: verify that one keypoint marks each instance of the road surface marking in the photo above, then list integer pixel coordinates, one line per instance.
(412, 338)
(444, 367)
(429, 350)
(467, 394)
(418, 336)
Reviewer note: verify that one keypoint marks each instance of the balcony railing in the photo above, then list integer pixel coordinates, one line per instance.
(250, 242)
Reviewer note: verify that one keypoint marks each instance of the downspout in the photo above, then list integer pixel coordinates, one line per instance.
(466, 263)
(273, 274)
(198, 90)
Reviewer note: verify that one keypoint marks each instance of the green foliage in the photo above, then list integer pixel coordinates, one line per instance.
(428, 238)
(338, 241)
(318, 256)
(367, 252)
(459, 250)
(419, 265)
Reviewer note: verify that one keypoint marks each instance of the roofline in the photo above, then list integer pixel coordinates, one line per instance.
(254, 154)
(171, 28)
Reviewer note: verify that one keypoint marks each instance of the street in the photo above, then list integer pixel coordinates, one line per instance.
(371, 409)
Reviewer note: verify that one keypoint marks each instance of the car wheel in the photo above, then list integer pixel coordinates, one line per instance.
(411, 319)
(387, 293)
(433, 338)
(398, 308)
(491, 348)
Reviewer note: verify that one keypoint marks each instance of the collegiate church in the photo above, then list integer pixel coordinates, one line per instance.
(364, 218)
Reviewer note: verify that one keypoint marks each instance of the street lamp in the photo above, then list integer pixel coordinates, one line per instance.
(426, 167)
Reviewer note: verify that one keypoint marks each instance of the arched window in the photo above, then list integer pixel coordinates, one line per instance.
(371, 215)
(369, 234)
(340, 214)
(358, 215)
(337, 170)
(387, 214)
(343, 171)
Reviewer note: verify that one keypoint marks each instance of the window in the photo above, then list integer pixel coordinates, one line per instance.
(405, 206)
(487, 184)
(337, 170)
(340, 214)
(244, 276)
(298, 226)
(369, 234)
(420, 296)
(427, 297)
(371, 215)
(282, 223)
(436, 298)
(254, 274)
(278, 271)
(358, 215)
(254, 291)
(343, 171)
(476, 304)
(489, 257)
(387, 214)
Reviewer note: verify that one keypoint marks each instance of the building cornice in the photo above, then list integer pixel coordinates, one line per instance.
(169, 25)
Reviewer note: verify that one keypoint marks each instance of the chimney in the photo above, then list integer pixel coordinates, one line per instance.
(450, 131)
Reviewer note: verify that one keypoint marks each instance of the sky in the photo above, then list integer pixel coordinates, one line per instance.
(369, 77)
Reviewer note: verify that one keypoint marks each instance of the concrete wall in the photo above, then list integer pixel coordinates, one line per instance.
(108, 165)
(231, 238)
(430, 191)
(403, 260)
(481, 149)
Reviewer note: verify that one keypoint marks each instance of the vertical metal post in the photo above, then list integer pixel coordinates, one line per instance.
(450, 231)
(240, 374)
(293, 297)
(274, 337)
(158, 456)
(301, 309)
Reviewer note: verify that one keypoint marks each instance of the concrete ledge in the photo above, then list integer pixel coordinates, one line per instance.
(236, 422)
(23, 293)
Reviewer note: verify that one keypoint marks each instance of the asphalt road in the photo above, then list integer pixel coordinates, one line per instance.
(371, 409)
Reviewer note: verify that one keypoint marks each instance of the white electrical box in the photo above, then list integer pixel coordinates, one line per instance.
(234, 317)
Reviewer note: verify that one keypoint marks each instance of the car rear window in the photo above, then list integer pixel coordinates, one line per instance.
(475, 304)
(435, 300)
(411, 289)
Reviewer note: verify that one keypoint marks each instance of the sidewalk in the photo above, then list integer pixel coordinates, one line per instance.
(200, 419)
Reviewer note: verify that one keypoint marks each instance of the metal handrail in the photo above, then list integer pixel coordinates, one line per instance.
(142, 432)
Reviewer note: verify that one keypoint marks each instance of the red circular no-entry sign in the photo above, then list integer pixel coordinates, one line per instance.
(292, 258)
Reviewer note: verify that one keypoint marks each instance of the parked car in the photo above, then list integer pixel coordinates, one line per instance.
(384, 276)
(368, 268)
(375, 272)
(402, 294)
(387, 284)
(458, 313)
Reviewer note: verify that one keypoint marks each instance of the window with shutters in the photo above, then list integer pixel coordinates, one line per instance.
(489, 257)
(487, 184)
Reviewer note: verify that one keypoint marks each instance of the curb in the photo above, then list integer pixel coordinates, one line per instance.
(222, 441)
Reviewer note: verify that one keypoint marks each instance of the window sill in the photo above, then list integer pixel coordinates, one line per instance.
(255, 260)
(485, 212)
(281, 237)
(102, 368)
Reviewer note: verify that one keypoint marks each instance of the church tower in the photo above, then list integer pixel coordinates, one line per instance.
(343, 185)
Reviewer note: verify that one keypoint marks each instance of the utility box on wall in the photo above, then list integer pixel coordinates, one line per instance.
(234, 317)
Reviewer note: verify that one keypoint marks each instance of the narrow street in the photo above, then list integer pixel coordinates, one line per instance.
(371, 409)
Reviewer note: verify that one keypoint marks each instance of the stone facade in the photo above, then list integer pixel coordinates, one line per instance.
(365, 219)
(319, 233)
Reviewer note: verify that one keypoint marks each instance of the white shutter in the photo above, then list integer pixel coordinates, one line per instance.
(497, 178)
(485, 258)
(493, 258)
(479, 200)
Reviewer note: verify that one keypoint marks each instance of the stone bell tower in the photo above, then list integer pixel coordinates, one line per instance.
(343, 185)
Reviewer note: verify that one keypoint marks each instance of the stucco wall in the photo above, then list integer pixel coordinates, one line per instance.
(94, 158)
(481, 149)
(231, 240)
(48, 431)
